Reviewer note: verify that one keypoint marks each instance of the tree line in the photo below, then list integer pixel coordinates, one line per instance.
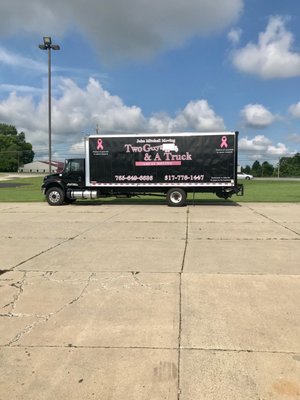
(14, 150)
(287, 166)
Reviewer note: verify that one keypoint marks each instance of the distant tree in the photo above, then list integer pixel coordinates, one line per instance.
(256, 169)
(247, 169)
(290, 166)
(14, 150)
(267, 169)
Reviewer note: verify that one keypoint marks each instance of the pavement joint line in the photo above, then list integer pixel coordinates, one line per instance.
(129, 271)
(240, 351)
(153, 238)
(73, 346)
(64, 240)
(273, 220)
(246, 239)
(158, 272)
(148, 222)
(180, 304)
(37, 255)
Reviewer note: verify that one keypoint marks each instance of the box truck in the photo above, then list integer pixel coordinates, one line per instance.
(170, 165)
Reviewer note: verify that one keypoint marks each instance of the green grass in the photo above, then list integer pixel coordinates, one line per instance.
(270, 191)
(255, 191)
(30, 192)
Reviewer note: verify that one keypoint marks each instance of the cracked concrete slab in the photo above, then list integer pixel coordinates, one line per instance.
(256, 313)
(108, 310)
(12, 327)
(76, 373)
(140, 301)
(112, 255)
(32, 299)
(11, 283)
(227, 375)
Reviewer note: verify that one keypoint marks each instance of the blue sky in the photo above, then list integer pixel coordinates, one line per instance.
(159, 66)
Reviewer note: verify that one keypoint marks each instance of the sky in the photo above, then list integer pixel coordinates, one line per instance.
(153, 66)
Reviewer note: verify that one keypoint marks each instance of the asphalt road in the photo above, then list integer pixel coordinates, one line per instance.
(148, 302)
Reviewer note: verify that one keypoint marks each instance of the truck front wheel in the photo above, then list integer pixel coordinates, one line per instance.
(55, 196)
(176, 197)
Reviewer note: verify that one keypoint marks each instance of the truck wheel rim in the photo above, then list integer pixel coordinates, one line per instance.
(176, 197)
(54, 197)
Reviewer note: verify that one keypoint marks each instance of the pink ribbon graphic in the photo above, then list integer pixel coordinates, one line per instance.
(99, 144)
(224, 142)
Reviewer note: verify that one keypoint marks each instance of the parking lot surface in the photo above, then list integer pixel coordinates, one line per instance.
(149, 302)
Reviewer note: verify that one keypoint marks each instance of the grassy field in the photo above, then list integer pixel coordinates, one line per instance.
(255, 191)
(30, 191)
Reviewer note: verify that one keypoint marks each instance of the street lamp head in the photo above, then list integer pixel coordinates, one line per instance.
(47, 40)
(48, 44)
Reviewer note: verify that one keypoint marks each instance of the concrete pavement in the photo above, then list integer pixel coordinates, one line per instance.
(150, 302)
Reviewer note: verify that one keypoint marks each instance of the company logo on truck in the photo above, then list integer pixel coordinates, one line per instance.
(100, 144)
(161, 152)
(98, 148)
(224, 145)
(224, 142)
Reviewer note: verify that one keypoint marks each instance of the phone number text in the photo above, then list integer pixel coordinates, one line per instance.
(184, 178)
(134, 178)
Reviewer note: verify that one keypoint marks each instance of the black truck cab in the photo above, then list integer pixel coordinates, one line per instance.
(56, 186)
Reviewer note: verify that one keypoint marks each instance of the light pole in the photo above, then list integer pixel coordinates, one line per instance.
(49, 46)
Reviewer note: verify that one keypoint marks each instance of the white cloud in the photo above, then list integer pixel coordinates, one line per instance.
(85, 108)
(74, 111)
(280, 149)
(77, 112)
(121, 29)
(295, 110)
(77, 148)
(272, 56)
(197, 116)
(20, 88)
(259, 142)
(15, 60)
(234, 36)
(257, 116)
(261, 146)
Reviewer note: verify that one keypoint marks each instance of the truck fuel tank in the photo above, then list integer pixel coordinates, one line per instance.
(82, 194)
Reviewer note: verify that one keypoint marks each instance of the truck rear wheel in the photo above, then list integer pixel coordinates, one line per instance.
(176, 197)
(55, 196)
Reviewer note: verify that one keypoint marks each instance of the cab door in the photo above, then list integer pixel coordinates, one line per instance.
(74, 173)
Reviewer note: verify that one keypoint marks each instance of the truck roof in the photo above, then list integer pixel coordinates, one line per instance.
(168, 134)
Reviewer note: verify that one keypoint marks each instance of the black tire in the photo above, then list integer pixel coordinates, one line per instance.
(55, 196)
(176, 197)
(247, 178)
